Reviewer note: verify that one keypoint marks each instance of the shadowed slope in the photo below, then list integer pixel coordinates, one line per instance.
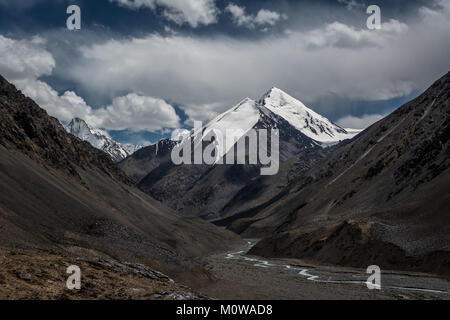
(383, 198)
(59, 192)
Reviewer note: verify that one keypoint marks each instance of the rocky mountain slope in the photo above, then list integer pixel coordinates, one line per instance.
(205, 190)
(61, 195)
(383, 198)
(100, 140)
(145, 160)
(39, 275)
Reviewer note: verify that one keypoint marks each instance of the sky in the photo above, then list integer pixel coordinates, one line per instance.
(140, 69)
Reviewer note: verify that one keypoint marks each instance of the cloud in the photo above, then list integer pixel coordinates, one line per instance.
(238, 15)
(361, 122)
(179, 134)
(24, 58)
(340, 35)
(135, 112)
(267, 17)
(24, 61)
(207, 75)
(63, 107)
(263, 17)
(202, 112)
(192, 12)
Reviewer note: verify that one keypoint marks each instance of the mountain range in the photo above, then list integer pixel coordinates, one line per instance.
(341, 197)
(205, 190)
(383, 197)
(61, 197)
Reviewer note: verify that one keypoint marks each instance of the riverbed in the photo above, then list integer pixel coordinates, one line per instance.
(240, 276)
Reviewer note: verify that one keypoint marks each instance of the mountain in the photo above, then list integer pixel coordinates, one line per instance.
(278, 110)
(247, 115)
(262, 191)
(206, 190)
(100, 140)
(382, 198)
(63, 198)
(146, 159)
(308, 122)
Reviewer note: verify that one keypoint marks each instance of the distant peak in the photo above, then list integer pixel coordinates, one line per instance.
(100, 139)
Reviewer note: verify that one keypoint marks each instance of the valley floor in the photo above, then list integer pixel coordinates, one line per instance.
(246, 277)
(41, 274)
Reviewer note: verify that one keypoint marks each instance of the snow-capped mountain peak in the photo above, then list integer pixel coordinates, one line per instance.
(307, 121)
(100, 139)
(275, 110)
(243, 116)
(238, 120)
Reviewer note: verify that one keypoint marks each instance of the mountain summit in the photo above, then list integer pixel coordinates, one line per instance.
(100, 140)
(308, 122)
(278, 110)
(206, 191)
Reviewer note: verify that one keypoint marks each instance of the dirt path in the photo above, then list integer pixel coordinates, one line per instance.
(246, 277)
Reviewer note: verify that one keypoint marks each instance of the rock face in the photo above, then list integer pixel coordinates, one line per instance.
(383, 198)
(209, 191)
(59, 193)
(100, 140)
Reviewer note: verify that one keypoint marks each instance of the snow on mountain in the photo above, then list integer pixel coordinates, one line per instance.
(304, 119)
(237, 120)
(100, 140)
(277, 110)
(232, 124)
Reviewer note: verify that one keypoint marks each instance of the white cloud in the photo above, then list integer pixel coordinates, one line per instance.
(24, 61)
(63, 107)
(24, 58)
(238, 15)
(192, 12)
(361, 122)
(136, 113)
(267, 17)
(202, 112)
(263, 17)
(206, 76)
(340, 35)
